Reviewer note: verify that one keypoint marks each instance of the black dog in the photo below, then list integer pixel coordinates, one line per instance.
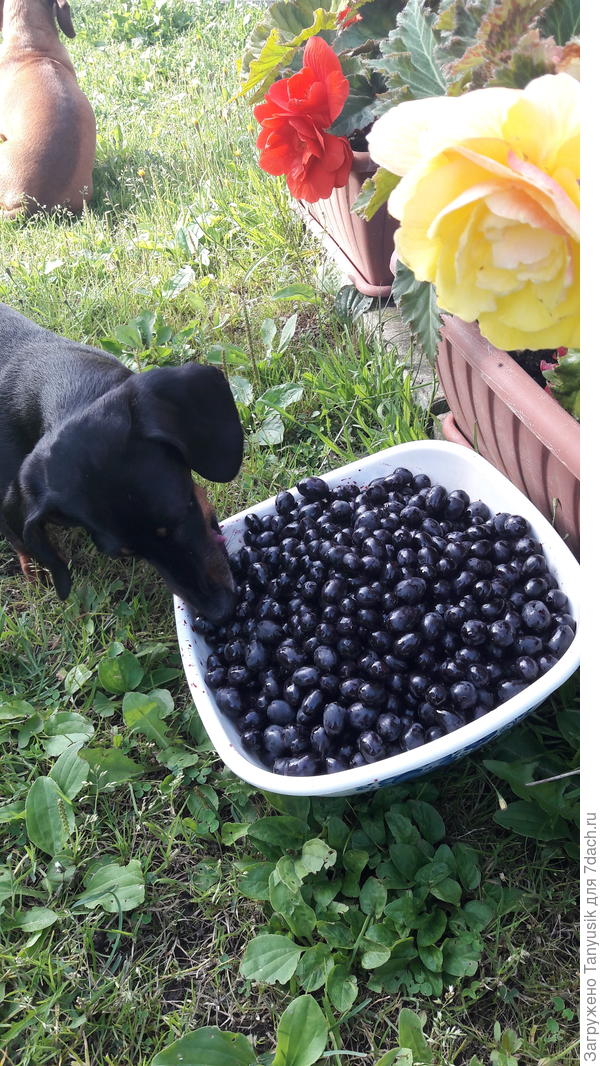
(85, 442)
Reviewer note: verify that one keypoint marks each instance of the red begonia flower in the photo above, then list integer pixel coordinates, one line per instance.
(295, 116)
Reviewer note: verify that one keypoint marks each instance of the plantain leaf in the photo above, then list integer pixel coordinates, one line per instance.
(49, 816)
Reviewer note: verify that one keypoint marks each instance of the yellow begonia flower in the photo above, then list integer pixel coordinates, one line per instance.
(489, 205)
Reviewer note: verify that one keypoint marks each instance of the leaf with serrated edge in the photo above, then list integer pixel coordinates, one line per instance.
(375, 193)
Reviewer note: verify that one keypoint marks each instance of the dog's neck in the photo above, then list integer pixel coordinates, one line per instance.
(29, 25)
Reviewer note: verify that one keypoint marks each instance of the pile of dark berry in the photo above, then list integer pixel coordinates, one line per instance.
(374, 620)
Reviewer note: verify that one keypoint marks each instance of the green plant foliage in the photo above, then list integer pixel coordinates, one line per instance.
(543, 773)
(301, 1034)
(418, 303)
(394, 904)
(564, 381)
(409, 58)
(208, 1046)
(49, 816)
(113, 887)
(375, 193)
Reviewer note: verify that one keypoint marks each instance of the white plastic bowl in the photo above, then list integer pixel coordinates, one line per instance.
(454, 467)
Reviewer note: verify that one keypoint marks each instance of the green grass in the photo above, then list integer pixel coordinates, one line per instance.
(177, 186)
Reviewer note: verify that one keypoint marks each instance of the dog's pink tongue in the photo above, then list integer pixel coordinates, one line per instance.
(220, 539)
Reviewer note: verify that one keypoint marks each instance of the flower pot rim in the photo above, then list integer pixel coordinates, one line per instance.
(363, 164)
(539, 411)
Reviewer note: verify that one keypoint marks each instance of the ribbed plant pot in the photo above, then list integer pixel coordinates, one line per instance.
(362, 250)
(497, 409)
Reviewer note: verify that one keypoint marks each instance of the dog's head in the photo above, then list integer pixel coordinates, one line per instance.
(121, 469)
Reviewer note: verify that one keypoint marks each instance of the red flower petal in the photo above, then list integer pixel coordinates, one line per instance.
(325, 65)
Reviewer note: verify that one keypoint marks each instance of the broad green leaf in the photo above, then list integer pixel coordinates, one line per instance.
(467, 866)
(354, 862)
(528, 820)
(286, 872)
(268, 332)
(49, 816)
(374, 955)
(76, 678)
(208, 1046)
(432, 957)
(316, 855)
(232, 831)
(113, 887)
(34, 919)
(12, 812)
(303, 293)
(277, 834)
(271, 430)
(373, 897)
(7, 885)
(180, 281)
(110, 766)
(281, 396)
(314, 967)
(64, 729)
(428, 820)
(431, 873)
(448, 890)
(405, 911)
(287, 334)
(359, 109)
(277, 53)
(375, 193)
(342, 987)
(461, 955)
(254, 882)
(561, 21)
(270, 958)
(13, 710)
(418, 303)
(410, 1035)
(144, 714)
(477, 915)
(337, 934)
(205, 875)
(350, 304)
(430, 931)
(408, 55)
(177, 758)
(301, 1033)
(70, 773)
(32, 725)
(401, 827)
(120, 674)
(242, 389)
(407, 859)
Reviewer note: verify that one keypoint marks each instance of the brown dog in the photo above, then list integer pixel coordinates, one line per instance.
(47, 126)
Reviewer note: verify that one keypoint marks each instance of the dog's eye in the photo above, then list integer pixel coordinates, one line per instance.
(162, 531)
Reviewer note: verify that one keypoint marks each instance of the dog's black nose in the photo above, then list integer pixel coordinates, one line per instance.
(219, 607)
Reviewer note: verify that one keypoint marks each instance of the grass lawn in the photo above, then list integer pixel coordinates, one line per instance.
(125, 906)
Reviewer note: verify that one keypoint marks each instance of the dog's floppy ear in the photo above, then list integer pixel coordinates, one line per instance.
(191, 408)
(62, 14)
(25, 511)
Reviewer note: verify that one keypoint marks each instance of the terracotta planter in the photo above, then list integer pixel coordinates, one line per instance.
(362, 250)
(497, 409)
